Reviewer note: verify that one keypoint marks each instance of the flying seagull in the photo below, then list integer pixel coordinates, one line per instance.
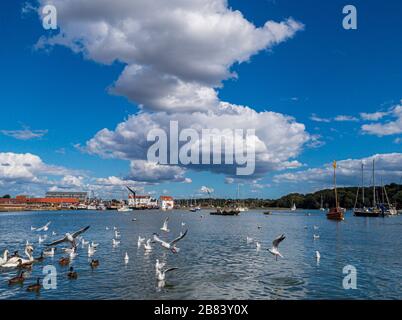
(44, 228)
(170, 245)
(275, 244)
(69, 237)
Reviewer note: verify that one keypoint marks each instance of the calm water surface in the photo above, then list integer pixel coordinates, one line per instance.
(215, 261)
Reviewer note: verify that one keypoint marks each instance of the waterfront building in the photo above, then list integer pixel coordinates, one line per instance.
(166, 203)
(138, 201)
(81, 196)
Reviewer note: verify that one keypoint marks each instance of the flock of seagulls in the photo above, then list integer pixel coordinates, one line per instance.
(74, 239)
(16, 261)
(70, 252)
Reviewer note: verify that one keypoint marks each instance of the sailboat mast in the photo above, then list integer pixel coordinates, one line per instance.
(374, 199)
(362, 184)
(336, 192)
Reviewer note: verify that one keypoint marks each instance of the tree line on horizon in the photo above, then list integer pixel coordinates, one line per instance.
(346, 198)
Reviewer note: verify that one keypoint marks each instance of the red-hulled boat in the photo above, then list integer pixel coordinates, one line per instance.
(336, 213)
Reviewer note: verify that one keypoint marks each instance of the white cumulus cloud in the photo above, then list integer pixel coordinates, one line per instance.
(176, 54)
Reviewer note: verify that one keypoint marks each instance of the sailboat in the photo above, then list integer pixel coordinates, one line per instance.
(321, 205)
(241, 208)
(293, 208)
(195, 208)
(374, 211)
(391, 210)
(336, 213)
(124, 207)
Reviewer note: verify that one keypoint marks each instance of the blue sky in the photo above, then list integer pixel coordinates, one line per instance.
(323, 70)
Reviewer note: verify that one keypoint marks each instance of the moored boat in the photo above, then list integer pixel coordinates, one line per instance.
(125, 209)
(336, 213)
(225, 212)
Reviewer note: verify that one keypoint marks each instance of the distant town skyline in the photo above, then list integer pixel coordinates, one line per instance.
(78, 102)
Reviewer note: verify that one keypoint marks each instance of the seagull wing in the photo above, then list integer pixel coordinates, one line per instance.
(170, 269)
(178, 238)
(278, 240)
(77, 233)
(157, 239)
(54, 243)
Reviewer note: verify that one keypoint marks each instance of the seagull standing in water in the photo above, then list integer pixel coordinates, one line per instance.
(170, 245)
(165, 225)
(275, 244)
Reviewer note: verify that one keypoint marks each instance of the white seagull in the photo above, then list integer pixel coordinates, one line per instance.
(91, 250)
(84, 242)
(5, 258)
(73, 253)
(159, 265)
(44, 228)
(183, 224)
(165, 225)
(275, 244)
(316, 237)
(68, 238)
(147, 246)
(249, 239)
(317, 255)
(161, 274)
(140, 241)
(126, 258)
(170, 245)
(117, 234)
(41, 240)
(115, 243)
